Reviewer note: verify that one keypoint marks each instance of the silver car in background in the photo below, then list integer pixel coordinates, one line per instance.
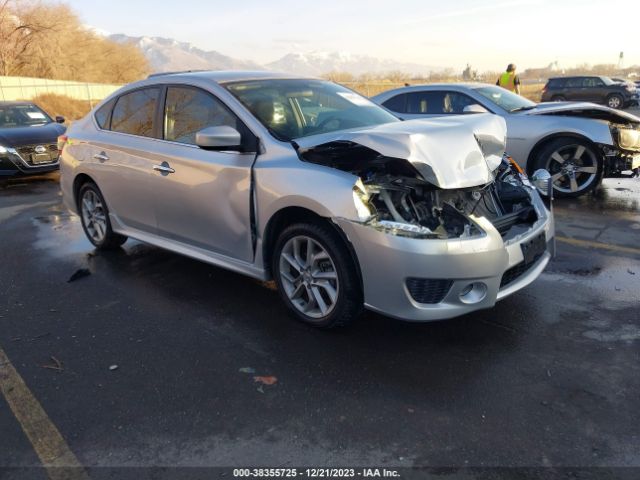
(578, 143)
(307, 183)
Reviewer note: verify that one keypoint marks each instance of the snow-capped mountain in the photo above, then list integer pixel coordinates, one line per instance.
(318, 63)
(166, 54)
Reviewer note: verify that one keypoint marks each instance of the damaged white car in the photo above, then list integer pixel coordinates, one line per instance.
(579, 143)
(307, 183)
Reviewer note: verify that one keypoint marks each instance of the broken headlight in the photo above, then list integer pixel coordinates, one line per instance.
(628, 138)
(406, 208)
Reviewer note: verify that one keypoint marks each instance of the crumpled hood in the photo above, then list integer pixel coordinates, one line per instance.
(582, 109)
(456, 152)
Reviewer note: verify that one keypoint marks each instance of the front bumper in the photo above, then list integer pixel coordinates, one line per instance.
(387, 262)
(11, 163)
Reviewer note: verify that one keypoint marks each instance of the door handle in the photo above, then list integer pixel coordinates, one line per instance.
(103, 157)
(164, 168)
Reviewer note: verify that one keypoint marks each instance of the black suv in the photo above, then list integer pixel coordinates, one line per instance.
(590, 89)
(28, 139)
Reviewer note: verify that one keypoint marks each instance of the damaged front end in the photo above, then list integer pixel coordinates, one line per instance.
(391, 195)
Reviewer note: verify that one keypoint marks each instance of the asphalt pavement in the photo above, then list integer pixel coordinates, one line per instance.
(150, 359)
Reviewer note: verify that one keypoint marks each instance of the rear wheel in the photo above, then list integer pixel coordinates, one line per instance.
(316, 275)
(94, 216)
(575, 166)
(615, 101)
(558, 98)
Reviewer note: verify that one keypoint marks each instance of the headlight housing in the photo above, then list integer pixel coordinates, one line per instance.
(3, 150)
(629, 138)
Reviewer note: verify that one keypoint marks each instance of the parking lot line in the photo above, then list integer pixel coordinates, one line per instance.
(598, 245)
(54, 453)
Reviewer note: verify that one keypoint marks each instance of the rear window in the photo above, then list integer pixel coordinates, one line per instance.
(397, 103)
(103, 115)
(555, 83)
(134, 112)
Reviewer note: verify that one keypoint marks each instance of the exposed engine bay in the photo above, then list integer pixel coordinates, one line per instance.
(391, 195)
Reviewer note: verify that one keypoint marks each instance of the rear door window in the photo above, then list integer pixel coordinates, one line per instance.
(573, 83)
(134, 112)
(426, 102)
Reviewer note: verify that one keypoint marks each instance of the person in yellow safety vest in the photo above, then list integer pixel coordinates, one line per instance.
(510, 80)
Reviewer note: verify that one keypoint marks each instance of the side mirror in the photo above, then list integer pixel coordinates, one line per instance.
(218, 138)
(59, 119)
(541, 179)
(474, 108)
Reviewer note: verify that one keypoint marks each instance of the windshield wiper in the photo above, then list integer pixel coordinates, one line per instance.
(521, 109)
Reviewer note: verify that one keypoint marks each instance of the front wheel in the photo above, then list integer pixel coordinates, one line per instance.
(615, 101)
(316, 275)
(574, 164)
(94, 216)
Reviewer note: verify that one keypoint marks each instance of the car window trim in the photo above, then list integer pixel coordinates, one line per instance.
(248, 148)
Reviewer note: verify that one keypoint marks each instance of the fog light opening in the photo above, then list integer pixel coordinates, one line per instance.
(473, 293)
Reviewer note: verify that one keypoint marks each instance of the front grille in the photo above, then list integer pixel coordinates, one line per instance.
(26, 152)
(517, 271)
(425, 290)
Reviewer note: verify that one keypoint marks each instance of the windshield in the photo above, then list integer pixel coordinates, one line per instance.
(608, 81)
(505, 99)
(299, 108)
(22, 116)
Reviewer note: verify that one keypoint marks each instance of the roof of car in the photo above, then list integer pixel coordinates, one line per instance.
(460, 86)
(227, 76)
(575, 76)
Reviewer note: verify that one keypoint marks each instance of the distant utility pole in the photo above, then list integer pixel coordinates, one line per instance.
(621, 61)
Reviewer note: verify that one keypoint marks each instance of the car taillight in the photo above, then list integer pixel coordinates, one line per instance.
(62, 141)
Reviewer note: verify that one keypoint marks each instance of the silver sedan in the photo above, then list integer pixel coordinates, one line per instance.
(578, 143)
(307, 183)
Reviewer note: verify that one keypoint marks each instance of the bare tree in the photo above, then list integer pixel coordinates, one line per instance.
(49, 41)
(20, 29)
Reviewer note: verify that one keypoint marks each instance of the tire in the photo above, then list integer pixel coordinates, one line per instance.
(325, 292)
(580, 170)
(94, 216)
(616, 101)
(558, 98)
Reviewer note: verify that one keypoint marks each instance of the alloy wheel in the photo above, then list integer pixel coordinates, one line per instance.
(614, 102)
(573, 168)
(93, 216)
(309, 276)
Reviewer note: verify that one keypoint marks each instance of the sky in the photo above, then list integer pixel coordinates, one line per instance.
(488, 34)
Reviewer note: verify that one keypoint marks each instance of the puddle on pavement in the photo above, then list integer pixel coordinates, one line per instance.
(615, 280)
(60, 233)
(617, 194)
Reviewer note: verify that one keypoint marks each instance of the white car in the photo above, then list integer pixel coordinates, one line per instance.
(578, 143)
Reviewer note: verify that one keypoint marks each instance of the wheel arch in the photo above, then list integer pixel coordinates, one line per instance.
(78, 182)
(540, 144)
(295, 214)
